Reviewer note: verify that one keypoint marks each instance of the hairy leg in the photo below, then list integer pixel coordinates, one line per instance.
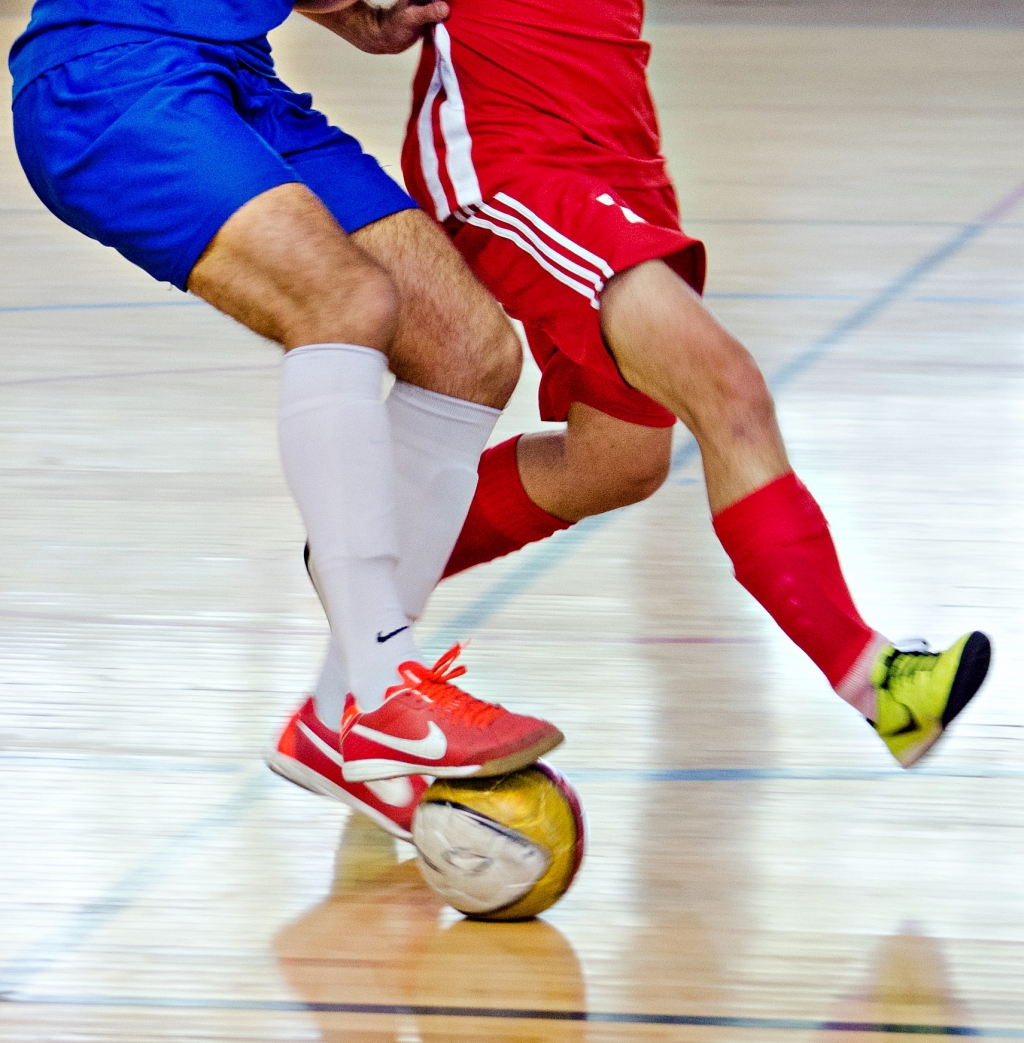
(281, 266)
(452, 335)
(438, 433)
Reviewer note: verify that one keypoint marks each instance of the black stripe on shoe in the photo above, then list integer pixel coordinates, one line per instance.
(970, 674)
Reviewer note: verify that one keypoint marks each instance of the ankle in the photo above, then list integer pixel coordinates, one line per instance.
(856, 687)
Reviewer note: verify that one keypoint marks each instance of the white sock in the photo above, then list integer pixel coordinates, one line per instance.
(437, 442)
(336, 450)
(331, 687)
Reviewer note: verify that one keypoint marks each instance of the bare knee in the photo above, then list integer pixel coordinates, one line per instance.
(597, 464)
(740, 398)
(452, 335)
(612, 475)
(643, 477)
(358, 305)
(498, 360)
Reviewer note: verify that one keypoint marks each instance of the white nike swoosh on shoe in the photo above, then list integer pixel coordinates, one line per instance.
(327, 751)
(432, 747)
(396, 792)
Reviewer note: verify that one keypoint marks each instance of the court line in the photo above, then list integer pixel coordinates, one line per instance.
(14, 309)
(828, 222)
(724, 295)
(932, 299)
(969, 300)
(642, 775)
(122, 894)
(519, 1014)
(132, 374)
(304, 629)
(156, 623)
(834, 222)
(161, 762)
(130, 762)
(717, 20)
(540, 559)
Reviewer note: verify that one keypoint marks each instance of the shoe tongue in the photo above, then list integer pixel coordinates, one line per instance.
(912, 644)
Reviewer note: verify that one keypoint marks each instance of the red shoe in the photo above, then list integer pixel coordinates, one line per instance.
(429, 726)
(309, 754)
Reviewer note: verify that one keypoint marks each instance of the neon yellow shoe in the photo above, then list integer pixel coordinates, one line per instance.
(919, 693)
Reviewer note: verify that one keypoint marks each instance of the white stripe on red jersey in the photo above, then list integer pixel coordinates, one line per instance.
(545, 248)
(580, 251)
(554, 252)
(443, 117)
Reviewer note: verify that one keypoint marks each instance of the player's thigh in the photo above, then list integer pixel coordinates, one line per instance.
(282, 266)
(452, 335)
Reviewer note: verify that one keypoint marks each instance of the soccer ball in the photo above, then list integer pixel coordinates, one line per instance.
(501, 848)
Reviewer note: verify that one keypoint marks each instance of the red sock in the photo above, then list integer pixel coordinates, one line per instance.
(783, 554)
(502, 517)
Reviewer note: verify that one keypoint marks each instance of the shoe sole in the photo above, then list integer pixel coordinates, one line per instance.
(970, 675)
(297, 773)
(373, 769)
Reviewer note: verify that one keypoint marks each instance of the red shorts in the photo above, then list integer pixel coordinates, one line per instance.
(545, 244)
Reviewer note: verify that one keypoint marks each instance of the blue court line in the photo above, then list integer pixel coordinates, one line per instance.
(518, 1014)
(931, 299)
(837, 222)
(781, 296)
(642, 775)
(123, 893)
(72, 378)
(539, 559)
(16, 308)
(131, 762)
(162, 764)
(824, 222)
(726, 295)
(968, 300)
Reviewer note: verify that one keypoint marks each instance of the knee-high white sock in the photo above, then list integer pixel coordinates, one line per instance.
(437, 442)
(336, 450)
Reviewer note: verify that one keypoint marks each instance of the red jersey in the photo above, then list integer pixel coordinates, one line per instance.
(507, 84)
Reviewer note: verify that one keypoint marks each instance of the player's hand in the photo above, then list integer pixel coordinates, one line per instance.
(383, 30)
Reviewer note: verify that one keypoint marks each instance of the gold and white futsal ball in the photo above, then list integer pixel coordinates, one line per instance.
(501, 848)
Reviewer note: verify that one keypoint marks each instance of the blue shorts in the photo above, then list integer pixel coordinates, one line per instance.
(150, 147)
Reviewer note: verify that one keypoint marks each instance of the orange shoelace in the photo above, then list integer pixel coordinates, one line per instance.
(434, 684)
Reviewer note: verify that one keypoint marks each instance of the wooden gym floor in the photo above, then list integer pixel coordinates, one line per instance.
(758, 868)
